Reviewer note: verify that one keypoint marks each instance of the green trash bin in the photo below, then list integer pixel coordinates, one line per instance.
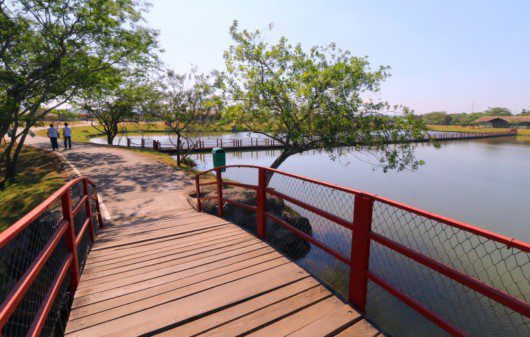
(219, 157)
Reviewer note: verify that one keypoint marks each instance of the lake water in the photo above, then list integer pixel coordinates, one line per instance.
(483, 182)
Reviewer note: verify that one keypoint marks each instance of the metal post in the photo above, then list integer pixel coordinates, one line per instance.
(128, 142)
(66, 203)
(360, 252)
(198, 192)
(219, 192)
(261, 202)
(88, 210)
(143, 143)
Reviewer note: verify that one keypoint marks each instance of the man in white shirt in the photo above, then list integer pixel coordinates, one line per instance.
(53, 134)
(67, 134)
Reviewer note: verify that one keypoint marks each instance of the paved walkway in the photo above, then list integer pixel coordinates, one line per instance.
(161, 268)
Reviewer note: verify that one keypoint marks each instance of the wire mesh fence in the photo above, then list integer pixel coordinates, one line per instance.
(34, 257)
(312, 223)
(491, 262)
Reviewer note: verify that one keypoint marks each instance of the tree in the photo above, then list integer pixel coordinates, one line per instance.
(437, 118)
(115, 105)
(50, 50)
(320, 99)
(497, 111)
(186, 100)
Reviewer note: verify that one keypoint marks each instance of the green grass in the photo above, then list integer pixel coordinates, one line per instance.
(85, 132)
(456, 128)
(40, 174)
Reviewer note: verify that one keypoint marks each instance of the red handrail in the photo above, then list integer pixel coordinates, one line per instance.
(65, 231)
(362, 235)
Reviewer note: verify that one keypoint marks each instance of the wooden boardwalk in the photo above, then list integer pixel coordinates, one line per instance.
(178, 272)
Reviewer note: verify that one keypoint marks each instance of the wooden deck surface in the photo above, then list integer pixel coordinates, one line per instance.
(178, 272)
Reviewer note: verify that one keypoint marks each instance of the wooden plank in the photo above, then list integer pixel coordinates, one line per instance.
(103, 300)
(163, 256)
(135, 302)
(142, 246)
(268, 314)
(360, 329)
(174, 246)
(156, 313)
(109, 243)
(229, 314)
(300, 319)
(115, 281)
(329, 324)
(153, 225)
(147, 247)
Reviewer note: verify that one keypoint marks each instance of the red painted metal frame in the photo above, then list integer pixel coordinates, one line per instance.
(362, 235)
(309, 238)
(322, 213)
(64, 231)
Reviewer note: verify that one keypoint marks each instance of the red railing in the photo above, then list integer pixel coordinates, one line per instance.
(410, 253)
(42, 256)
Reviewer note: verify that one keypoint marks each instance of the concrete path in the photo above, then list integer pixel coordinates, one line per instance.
(131, 184)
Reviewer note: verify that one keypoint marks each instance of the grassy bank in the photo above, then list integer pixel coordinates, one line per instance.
(455, 128)
(40, 174)
(85, 132)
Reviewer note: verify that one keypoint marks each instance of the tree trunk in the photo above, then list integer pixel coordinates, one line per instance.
(179, 150)
(11, 158)
(110, 138)
(281, 158)
(276, 163)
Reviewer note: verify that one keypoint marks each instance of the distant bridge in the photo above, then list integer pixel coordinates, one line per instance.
(258, 143)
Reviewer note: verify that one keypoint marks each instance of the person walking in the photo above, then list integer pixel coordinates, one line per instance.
(53, 134)
(67, 135)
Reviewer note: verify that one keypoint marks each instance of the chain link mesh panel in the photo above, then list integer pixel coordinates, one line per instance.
(19, 253)
(15, 259)
(505, 268)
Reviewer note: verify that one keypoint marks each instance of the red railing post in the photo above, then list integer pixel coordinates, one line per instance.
(198, 193)
(128, 142)
(360, 252)
(88, 210)
(219, 192)
(261, 201)
(66, 203)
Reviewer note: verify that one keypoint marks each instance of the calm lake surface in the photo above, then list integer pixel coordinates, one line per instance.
(482, 182)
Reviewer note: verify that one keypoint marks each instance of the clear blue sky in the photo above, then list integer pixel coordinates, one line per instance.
(444, 55)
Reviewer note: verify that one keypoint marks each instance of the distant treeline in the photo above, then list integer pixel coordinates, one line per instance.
(464, 118)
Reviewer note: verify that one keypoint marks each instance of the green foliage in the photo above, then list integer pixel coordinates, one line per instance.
(185, 103)
(319, 99)
(43, 174)
(114, 105)
(462, 119)
(51, 50)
